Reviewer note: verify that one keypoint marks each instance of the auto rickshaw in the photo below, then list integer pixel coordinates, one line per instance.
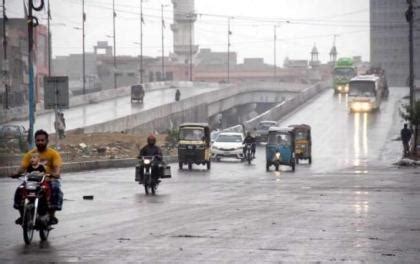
(194, 145)
(303, 142)
(137, 93)
(280, 148)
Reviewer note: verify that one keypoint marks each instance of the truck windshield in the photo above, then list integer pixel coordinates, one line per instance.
(191, 134)
(344, 72)
(362, 88)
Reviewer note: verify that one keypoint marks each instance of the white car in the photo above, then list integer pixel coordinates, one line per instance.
(228, 145)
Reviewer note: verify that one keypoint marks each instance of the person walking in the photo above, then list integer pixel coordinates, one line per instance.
(405, 137)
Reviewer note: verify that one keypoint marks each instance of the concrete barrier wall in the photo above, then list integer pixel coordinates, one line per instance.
(166, 113)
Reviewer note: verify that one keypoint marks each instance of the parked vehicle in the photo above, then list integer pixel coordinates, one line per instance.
(248, 153)
(228, 145)
(137, 93)
(280, 148)
(365, 94)
(194, 145)
(144, 173)
(261, 131)
(35, 210)
(303, 142)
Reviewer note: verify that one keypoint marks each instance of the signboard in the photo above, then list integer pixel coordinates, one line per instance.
(56, 92)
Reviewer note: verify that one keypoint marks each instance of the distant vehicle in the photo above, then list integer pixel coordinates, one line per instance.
(378, 71)
(280, 148)
(261, 131)
(344, 70)
(365, 94)
(137, 93)
(228, 145)
(194, 145)
(16, 134)
(303, 142)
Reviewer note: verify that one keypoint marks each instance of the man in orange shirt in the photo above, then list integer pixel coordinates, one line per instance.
(52, 162)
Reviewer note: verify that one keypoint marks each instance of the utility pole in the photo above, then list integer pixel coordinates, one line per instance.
(228, 51)
(115, 47)
(409, 14)
(31, 25)
(141, 42)
(83, 48)
(5, 69)
(49, 39)
(275, 52)
(191, 17)
(163, 47)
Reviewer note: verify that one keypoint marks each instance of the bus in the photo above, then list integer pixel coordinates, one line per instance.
(344, 70)
(365, 93)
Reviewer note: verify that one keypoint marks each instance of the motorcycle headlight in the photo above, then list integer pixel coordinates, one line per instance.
(277, 155)
(146, 162)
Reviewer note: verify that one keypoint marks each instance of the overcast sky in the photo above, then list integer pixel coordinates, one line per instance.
(301, 24)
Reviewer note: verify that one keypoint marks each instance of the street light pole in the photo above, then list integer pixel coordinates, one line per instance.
(5, 69)
(49, 39)
(115, 47)
(228, 52)
(163, 47)
(141, 42)
(191, 52)
(275, 52)
(83, 37)
(410, 19)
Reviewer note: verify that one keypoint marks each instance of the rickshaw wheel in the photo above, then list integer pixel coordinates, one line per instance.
(180, 165)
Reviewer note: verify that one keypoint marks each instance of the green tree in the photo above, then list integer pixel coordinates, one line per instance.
(412, 115)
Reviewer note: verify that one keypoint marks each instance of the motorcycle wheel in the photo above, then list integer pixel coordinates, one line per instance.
(44, 232)
(208, 165)
(153, 188)
(293, 166)
(180, 165)
(277, 167)
(267, 166)
(28, 226)
(249, 160)
(190, 166)
(146, 189)
(310, 160)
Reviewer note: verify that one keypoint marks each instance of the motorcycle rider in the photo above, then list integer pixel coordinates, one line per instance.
(152, 150)
(249, 140)
(51, 161)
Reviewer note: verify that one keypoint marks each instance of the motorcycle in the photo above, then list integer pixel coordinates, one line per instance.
(35, 190)
(248, 153)
(144, 173)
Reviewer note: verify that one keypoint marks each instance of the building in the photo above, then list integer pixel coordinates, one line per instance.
(389, 45)
(16, 65)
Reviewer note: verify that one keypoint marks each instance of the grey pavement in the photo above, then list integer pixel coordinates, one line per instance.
(350, 206)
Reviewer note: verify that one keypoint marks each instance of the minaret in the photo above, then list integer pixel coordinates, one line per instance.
(333, 52)
(314, 57)
(183, 30)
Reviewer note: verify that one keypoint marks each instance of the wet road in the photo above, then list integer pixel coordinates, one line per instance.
(91, 114)
(349, 206)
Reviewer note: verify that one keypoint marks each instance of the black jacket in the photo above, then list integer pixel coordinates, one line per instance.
(249, 140)
(153, 151)
(405, 134)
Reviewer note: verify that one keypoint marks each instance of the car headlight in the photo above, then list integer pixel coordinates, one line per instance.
(346, 88)
(215, 147)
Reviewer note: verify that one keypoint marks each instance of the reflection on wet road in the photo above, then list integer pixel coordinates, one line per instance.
(87, 115)
(342, 139)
